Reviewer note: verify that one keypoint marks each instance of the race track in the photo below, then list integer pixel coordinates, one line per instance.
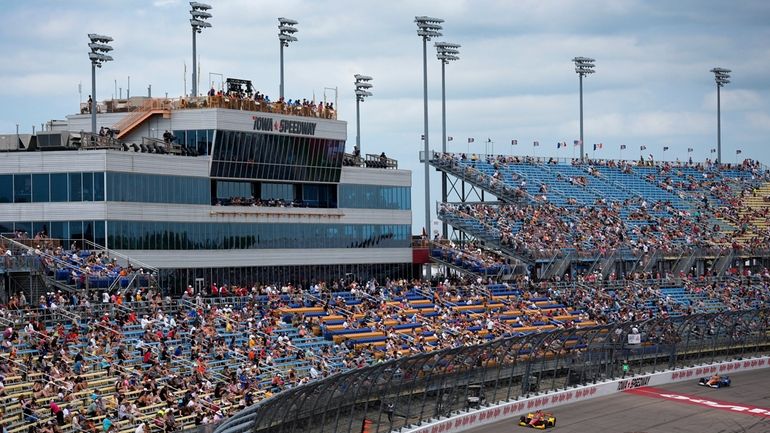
(681, 407)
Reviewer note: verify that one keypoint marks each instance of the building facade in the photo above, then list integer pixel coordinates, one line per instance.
(255, 197)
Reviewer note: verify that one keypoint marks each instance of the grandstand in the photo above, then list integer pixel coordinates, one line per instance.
(125, 354)
(93, 338)
(559, 218)
(242, 272)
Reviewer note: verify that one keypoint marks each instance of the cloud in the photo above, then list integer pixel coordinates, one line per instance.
(165, 3)
(759, 120)
(514, 78)
(733, 100)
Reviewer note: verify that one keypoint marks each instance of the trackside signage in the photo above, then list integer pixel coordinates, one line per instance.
(513, 409)
(633, 383)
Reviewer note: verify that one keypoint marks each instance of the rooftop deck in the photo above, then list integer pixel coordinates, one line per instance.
(142, 103)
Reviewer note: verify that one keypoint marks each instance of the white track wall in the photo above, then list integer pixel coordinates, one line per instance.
(513, 409)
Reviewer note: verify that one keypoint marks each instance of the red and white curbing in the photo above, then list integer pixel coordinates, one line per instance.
(512, 409)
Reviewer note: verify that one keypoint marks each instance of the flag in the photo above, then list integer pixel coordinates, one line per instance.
(514, 142)
(558, 145)
(713, 151)
(489, 140)
(665, 148)
(622, 147)
(536, 144)
(598, 145)
(470, 140)
(449, 138)
(738, 152)
(689, 150)
(642, 147)
(576, 142)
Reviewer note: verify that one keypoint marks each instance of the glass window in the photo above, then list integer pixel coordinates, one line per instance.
(88, 230)
(88, 187)
(6, 188)
(99, 232)
(22, 188)
(24, 227)
(40, 190)
(374, 197)
(76, 230)
(99, 188)
(59, 188)
(6, 226)
(180, 136)
(190, 140)
(176, 236)
(76, 188)
(276, 157)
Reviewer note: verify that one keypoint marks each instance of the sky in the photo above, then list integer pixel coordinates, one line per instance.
(514, 79)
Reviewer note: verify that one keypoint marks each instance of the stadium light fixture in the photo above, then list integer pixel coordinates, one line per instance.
(200, 13)
(446, 52)
(363, 86)
(286, 30)
(100, 46)
(722, 77)
(427, 28)
(583, 66)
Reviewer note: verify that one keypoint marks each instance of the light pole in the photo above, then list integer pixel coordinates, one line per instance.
(722, 77)
(286, 32)
(362, 91)
(198, 22)
(583, 67)
(445, 52)
(99, 45)
(427, 28)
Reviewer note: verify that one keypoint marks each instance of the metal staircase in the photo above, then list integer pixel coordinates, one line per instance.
(148, 109)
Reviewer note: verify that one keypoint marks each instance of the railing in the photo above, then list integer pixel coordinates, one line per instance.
(499, 189)
(127, 261)
(369, 161)
(409, 391)
(163, 145)
(20, 263)
(223, 101)
(528, 159)
(137, 112)
(90, 141)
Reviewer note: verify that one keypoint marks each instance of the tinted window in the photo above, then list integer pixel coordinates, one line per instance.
(22, 188)
(99, 187)
(76, 189)
(40, 188)
(6, 188)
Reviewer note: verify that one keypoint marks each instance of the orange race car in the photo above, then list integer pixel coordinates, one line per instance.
(540, 420)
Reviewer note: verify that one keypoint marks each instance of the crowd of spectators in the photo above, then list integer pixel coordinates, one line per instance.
(702, 212)
(258, 101)
(135, 360)
(131, 359)
(251, 201)
(472, 257)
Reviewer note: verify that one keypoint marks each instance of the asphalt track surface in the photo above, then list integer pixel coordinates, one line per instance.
(644, 411)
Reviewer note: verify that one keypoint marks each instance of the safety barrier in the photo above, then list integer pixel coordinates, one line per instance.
(408, 392)
(513, 409)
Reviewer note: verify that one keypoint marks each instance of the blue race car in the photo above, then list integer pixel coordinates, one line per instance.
(715, 381)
